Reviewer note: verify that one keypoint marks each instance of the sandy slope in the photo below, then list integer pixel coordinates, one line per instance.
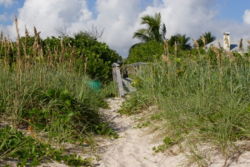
(134, 146)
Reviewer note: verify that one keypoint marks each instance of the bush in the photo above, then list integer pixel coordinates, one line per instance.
(83, 52)
(45, 90)
(55, 101)
(99, 56)
(145, 52)
(29, 152)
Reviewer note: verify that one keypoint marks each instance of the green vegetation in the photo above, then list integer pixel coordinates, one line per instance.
(154, 45)
(97, 56)
(204, 97)
(152, 37)
(52, 100)
(205, 39)
(135, 104)
(181, 42)
(152, 51)
(145, 52)
(30, 152)
(167, 142)
(154, 31)
(49, 91)
(82, 52)
(53, 103)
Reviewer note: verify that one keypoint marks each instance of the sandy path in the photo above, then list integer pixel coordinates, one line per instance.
(134, 146)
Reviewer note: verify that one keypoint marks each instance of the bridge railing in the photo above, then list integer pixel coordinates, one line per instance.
(120, 77)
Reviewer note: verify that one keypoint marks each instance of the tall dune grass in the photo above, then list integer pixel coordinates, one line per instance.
(208, 101)
(45, 92)
(52, 100)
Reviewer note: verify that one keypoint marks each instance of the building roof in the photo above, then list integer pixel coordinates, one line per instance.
(233, 47)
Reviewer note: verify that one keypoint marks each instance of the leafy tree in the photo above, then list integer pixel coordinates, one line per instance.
(182, 41)
(152, 38)
(93, 57)
(90, 56)
(145, 52)
(206, 38)
(98, 55)
(155, 30)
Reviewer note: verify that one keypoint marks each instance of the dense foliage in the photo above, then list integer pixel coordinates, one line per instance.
(201, 97)
(154, 31)
(181, 42)
(145, 52)
(54, 103)
(47, 92)
(152, 51)
(52, 100)
(84, 51)
(205, 39)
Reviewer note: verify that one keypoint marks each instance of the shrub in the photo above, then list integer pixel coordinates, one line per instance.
(29, 152)
(99, 56)
(182, 41)
(145, 52)
(83, 52)
(55, 101)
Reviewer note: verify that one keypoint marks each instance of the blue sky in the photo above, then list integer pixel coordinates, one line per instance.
(121, 18)
(232, 9)
(10, 11)
(227, 9)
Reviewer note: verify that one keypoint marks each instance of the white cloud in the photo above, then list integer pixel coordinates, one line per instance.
(185, 16)
(116, 17)
(121, 18)
(246, 17)
(6, 2)
(51, 17)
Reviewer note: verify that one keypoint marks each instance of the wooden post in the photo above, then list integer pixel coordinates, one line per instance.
(118, 79)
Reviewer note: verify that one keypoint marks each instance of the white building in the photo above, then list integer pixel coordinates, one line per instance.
(227, 44)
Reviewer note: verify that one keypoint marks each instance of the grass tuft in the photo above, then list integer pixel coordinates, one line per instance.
(196, 95)
(29, 152)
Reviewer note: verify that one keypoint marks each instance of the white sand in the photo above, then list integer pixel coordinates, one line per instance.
(134, 146)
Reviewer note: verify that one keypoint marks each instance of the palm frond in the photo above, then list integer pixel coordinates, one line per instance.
(153, 30)
(142, 34)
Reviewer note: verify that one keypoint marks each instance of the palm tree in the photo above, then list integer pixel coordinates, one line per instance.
(180, 40)
(154, 31)
(206, 38)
